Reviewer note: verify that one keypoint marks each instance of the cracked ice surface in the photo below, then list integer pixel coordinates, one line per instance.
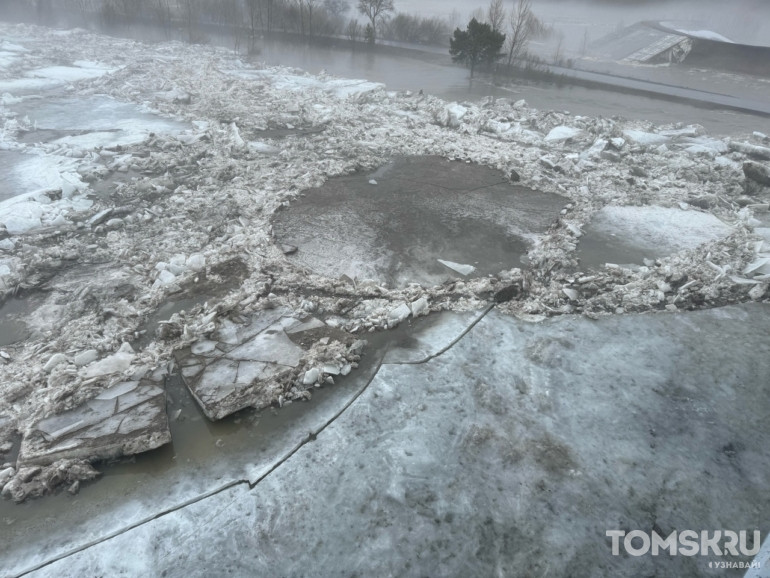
(128, 418)
(247, 368)
(517, 448)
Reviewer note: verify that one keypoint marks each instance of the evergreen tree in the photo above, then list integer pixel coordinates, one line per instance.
(478, 44)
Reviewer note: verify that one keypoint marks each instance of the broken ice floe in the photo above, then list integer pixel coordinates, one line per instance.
(127, 418)
(460, 268)
(626, 235)
(253, 364)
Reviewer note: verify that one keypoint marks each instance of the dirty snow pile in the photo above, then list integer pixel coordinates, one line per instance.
(118, 228)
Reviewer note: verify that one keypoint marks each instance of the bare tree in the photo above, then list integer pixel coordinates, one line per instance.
(496, 15)
(161, 10)
(524, 27)
(261, 15)
(337, 7)
(375, 10)
(584, 43)
(298, 14)
(84, 8)
(353, 30)
(229, 16)
(310, 5)
(454, 18)
(191, 14)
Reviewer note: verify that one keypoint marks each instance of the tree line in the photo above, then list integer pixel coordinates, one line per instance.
(308, 18)
(497, 33)
(492, 35)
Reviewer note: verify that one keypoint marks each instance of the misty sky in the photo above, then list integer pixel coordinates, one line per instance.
(746, 21)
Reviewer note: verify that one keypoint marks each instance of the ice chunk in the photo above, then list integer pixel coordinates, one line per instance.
(399, 314)
(263, 148)
(56, 359)
(760, 266)
(311, 376)
(454, 114)
(196, 262)
(458, 267)
(204, 347)
(332, 369)
(571, 293)
(166, 277)
(271, 346)
(312, 323)
(645, 138)
(115, 363)
(420, 307)
(561, 133)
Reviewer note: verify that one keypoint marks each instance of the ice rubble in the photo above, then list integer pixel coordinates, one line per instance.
(190, 213)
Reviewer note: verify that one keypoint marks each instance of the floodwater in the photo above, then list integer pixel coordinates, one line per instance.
(395, 225)
(435, 74)
(12, 326)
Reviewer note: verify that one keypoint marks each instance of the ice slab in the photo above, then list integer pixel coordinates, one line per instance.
(521, 438)
(645, 138)
(54, 76)
(90, 122)
(26, 173)
(627, 235)
(283, 79)
(241, 376)
(561, 133)
(125, 419)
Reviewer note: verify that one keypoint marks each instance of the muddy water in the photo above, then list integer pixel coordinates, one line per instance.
(596, 249)
(397, 224)
(164, 313)
(12, 325)
(430, 69)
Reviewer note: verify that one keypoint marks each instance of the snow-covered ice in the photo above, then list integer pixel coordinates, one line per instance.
(653, 231)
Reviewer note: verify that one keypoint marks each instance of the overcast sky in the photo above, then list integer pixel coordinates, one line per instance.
(742, 20)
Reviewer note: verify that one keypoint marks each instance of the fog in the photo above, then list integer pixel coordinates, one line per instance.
(743, 21)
